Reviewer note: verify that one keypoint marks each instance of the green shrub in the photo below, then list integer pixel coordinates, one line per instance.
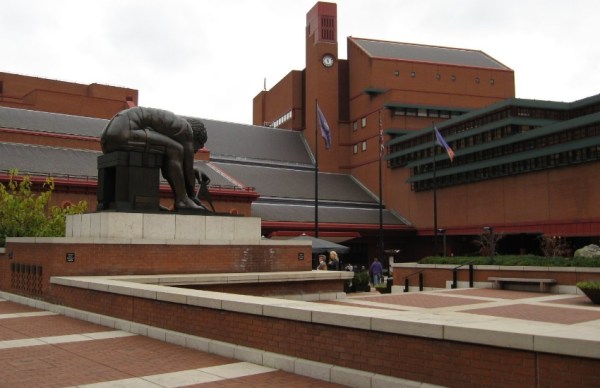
(27, 213)
(589, 285)
(515, 260)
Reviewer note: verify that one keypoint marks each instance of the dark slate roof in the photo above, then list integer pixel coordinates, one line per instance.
(62, 162)
(51, 122)
(225, 140)
(424, 53)
(276, 162)
(249, 142)
(278, 182)
(336, 214)
(42, 160)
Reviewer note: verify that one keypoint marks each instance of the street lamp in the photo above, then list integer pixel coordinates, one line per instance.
(490, 231)
(443, 233)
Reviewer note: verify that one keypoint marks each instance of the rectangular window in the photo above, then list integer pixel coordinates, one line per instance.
(364, 145)
(363, 122)
(328, 28)
(355, 125)
(422, 112)
(355, 149)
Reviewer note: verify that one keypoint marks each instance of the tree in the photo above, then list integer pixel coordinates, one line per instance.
(554, 246)
(25, 213)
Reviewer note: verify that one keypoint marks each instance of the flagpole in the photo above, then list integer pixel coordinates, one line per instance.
(316, 170)
(435, 227)
(381, 251)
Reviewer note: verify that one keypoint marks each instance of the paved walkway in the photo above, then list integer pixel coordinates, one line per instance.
(41, 348)
(564, 309)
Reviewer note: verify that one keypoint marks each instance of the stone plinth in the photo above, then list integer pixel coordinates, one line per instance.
(179, 227)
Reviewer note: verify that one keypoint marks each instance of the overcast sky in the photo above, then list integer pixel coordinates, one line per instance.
(210, 58)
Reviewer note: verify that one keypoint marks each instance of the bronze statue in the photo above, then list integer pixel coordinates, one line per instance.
(157, 131)
(203, 182)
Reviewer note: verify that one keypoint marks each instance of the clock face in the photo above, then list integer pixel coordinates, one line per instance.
(328, 60)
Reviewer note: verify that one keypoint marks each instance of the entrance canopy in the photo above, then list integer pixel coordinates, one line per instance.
(322, 246)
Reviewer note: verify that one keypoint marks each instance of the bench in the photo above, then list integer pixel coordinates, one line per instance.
(543, 283)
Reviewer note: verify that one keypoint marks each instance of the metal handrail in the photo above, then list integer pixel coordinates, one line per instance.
(455, 274)
(420, 273)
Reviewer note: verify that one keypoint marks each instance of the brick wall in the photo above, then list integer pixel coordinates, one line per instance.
(144, 259)
(437, 277)
(432, 361)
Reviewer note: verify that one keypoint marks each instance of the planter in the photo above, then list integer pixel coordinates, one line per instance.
(593, 294)
(384, 290)
(591, 289)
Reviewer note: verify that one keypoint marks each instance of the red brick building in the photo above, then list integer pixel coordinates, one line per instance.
(523, 186)
(524, 167)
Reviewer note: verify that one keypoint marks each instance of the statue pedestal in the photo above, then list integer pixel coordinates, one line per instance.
(129, 181)
(172, 227)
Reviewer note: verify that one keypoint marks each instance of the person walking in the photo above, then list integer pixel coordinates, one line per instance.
(376, 271)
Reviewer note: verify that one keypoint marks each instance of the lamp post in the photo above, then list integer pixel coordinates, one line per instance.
(490, 231)
(443, 233)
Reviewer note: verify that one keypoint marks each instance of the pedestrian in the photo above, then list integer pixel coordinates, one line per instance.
(334, 261)
(376, 271)
(322, 264)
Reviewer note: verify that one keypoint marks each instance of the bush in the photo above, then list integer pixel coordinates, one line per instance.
(25, 213)
(589, 285)
(515, 260)
(361, 280)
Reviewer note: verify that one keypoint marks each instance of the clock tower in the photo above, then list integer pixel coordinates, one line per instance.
(321, 82)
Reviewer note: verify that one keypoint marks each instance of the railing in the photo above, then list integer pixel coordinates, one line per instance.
(420, 273)
(455, 275)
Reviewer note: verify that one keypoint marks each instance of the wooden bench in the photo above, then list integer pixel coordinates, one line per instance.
(544, 283)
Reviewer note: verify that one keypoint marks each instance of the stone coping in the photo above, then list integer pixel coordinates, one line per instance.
(235, 278)
(582, 340)
(500, 267)
(148, 241)
(317, 370)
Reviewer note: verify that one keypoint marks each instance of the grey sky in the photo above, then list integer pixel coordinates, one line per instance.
(209, 58)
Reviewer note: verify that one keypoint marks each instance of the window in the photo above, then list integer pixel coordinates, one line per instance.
(363, 122)
(355, 149)
(355, 125)
(364, 146)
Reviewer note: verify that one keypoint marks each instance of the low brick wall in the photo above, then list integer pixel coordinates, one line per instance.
(437, 276)
(434, 361)
(26, 267)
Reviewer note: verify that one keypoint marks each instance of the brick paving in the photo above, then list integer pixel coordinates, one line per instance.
(48, 351)
(39, 348)
(421, 300)
(531, 306)
(567, 316)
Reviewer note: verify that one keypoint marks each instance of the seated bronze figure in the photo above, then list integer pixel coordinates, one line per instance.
(157, 131)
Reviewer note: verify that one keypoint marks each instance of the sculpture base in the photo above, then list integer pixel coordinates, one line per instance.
(165, 226)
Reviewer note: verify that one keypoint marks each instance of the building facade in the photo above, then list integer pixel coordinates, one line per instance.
(524, 168)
